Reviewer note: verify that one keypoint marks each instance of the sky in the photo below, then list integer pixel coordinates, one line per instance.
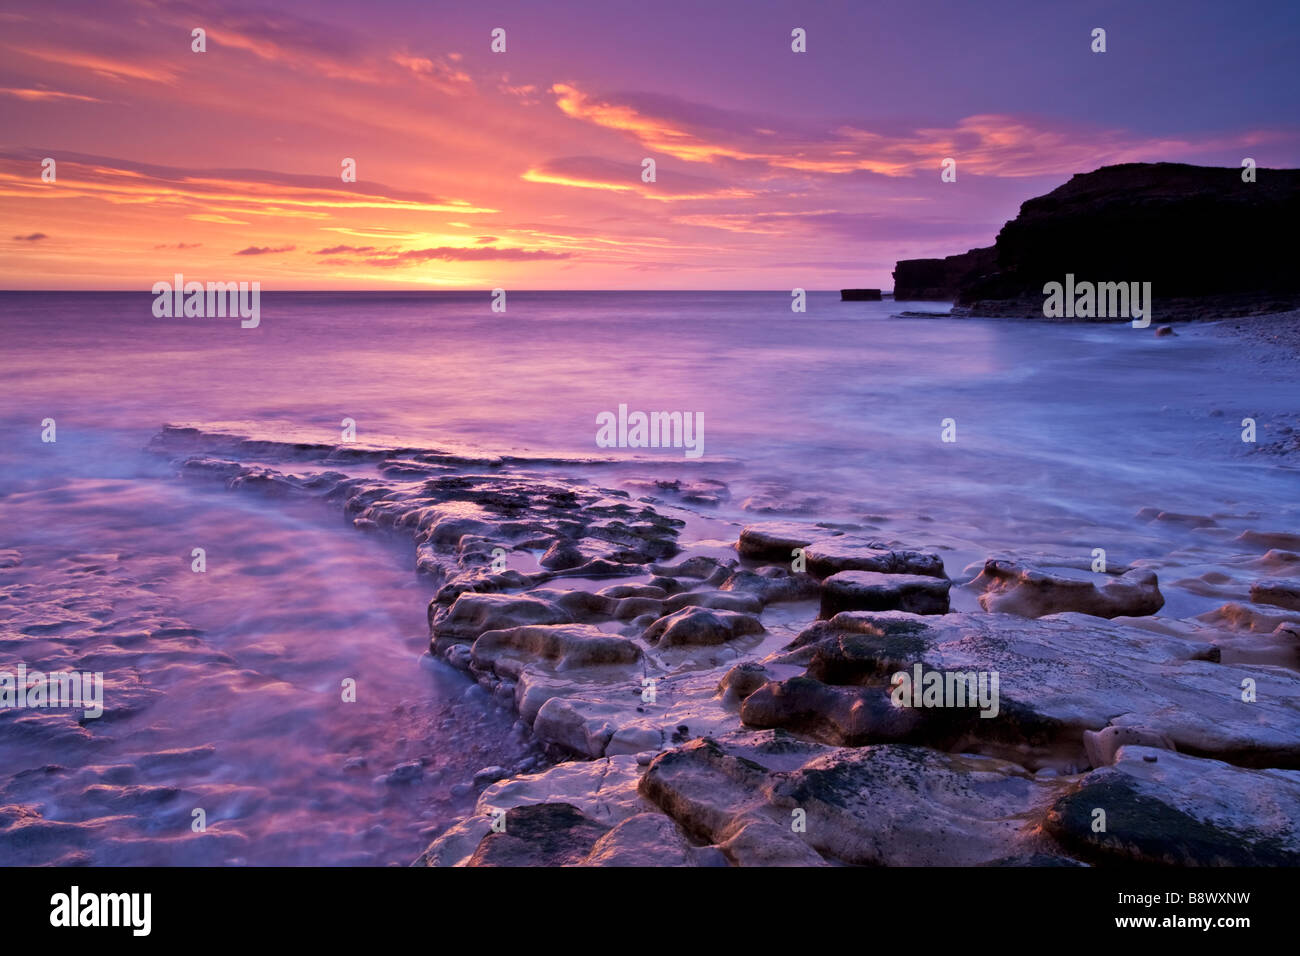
(523, 169)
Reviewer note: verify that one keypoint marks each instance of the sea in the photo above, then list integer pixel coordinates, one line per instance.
(223, 742)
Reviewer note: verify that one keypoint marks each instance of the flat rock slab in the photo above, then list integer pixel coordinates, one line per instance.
(578, 813)
(828, 556)
(875, 591)
(604, 791)
(607, 717)
(768, 798)
(1057, 677)
(1176, 810)
(775, 541)
(542, 834)
(648, 839)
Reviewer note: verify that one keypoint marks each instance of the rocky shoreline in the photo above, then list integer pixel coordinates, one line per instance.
(1278, 333)
(709, 702)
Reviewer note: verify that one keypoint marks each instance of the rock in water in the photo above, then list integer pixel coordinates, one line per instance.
(1011, 589)
(776, 540)
(873, 591)
(698, 625)
(1278, 593)
(827, 556)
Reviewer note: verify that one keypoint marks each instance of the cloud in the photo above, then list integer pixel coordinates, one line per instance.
(992, 144)
(105, 66)
(527, 93)
(219, 220)
(34, 237)
(477, 253)
(660, 132)
(591, 172)
(855, 226)
(263, 250)
(435, 72)
(335, 250)
(397, 258)
(39, 95)
(214, 192)
(179, 245)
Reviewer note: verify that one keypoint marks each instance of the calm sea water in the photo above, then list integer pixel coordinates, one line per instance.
(1063, 434)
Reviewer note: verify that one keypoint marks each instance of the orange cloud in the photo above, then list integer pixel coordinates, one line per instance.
(443, 75)
(252, 193)
(588, 172)
(37, 95)
(986, 144)
(101, 65)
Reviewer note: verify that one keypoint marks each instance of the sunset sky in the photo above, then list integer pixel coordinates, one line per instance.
(522, 169)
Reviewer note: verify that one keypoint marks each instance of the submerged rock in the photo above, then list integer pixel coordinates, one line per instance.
(1012, 589)
(1278, 593)
(408, 772)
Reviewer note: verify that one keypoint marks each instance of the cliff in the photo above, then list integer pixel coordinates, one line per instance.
(942, 278)
(1209, 243)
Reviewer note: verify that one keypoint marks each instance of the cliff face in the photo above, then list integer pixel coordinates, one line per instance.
(1206, 241)
(942, 278)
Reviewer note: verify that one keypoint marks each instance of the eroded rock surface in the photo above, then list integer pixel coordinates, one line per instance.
(1012, 589)
(1171, 809)
(1057, 678)
(717, 718)
(874, 591)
